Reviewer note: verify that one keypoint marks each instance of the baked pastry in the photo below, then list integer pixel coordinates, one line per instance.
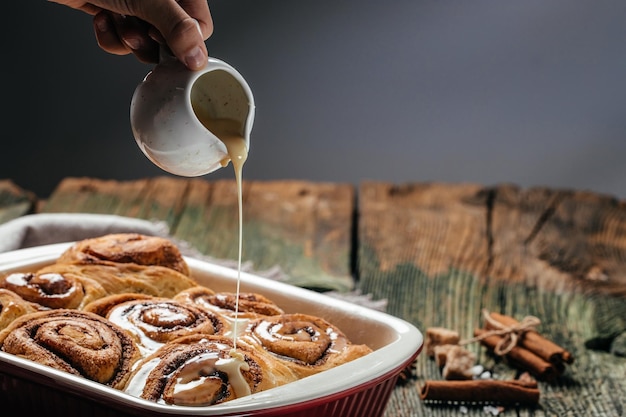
(131, 248)
(202, 370)
(13, 306)
(154, 321)
(307, 344)
(53, 289)
(127, 278)
(73, 341)
(102, 306)
(123, 310)
(250, 305)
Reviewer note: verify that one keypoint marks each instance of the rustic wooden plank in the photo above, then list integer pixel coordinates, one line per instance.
(158, 198)
(92, 195)
(15, 201)
(163, 199)
(439, 253)
(303, 228)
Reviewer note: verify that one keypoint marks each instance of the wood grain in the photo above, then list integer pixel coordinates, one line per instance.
(440, 253)
(302, 228)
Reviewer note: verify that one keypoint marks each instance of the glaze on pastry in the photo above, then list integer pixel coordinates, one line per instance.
(308, 344)
(202, 370)
(54, 289)
(249, 305)
(127, 278)
(154, 321)
(123, 310)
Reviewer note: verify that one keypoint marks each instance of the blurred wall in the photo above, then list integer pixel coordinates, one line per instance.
(526, 92)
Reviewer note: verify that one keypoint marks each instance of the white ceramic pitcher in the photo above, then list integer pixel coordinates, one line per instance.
(166, 126)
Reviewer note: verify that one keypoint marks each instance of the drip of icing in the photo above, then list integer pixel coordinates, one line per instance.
(229, 132)
(237, 326)
(138, 382)
(232, 367)
(122, 318)
(195, 376)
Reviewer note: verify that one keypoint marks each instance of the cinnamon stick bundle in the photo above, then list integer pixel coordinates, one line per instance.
(505, 392)
(535, 342)
(523, 357)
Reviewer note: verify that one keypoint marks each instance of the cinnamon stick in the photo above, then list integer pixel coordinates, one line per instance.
(506, 392)
(523, 357)
(535, 342)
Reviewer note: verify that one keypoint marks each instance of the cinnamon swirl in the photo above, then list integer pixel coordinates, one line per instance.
(306, 343)
(249, 305)
(53, 289)
(202, 370)
(126, 248)
(154, 321)
(73, 341)
(127, 278)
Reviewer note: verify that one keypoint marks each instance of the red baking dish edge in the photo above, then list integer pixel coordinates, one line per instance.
(367, 399)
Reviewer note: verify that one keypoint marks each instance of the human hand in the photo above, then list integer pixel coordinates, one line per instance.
(139, 26)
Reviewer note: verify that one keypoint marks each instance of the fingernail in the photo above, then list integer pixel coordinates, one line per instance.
(132, 43)
(195, 58)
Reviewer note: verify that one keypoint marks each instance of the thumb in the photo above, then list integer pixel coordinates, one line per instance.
(182, 25)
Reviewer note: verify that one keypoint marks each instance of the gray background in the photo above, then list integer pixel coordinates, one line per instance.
(528, 92)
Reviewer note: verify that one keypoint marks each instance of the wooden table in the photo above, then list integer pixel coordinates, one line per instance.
(437, 253)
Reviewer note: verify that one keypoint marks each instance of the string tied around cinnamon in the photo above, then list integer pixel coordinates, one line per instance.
(510, 334)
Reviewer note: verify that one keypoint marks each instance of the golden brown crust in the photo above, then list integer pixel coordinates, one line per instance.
(13, 306)
(53, 289)
(194, 358)
(154, 321)
(126, 248)
(250, 305)
(73, 341)
(306, 343)
(127, 300)
(102, 306)
(128, 278)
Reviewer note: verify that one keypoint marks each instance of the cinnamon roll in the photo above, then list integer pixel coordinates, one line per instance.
(153, 321)
(249, 305)
(127, 278)
(306, 343)
(13, 306)
(202, 370)
(73, 341)
(126, 248)
(53, 289)
(102, 306)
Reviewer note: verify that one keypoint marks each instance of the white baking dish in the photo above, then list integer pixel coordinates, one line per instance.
(361, 387)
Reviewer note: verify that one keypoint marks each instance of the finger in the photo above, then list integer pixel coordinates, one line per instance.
(134, 33)
(121, 35)
(106, 34)
(80, 5)
(187, 43)
(199, 10)
(183, 34)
